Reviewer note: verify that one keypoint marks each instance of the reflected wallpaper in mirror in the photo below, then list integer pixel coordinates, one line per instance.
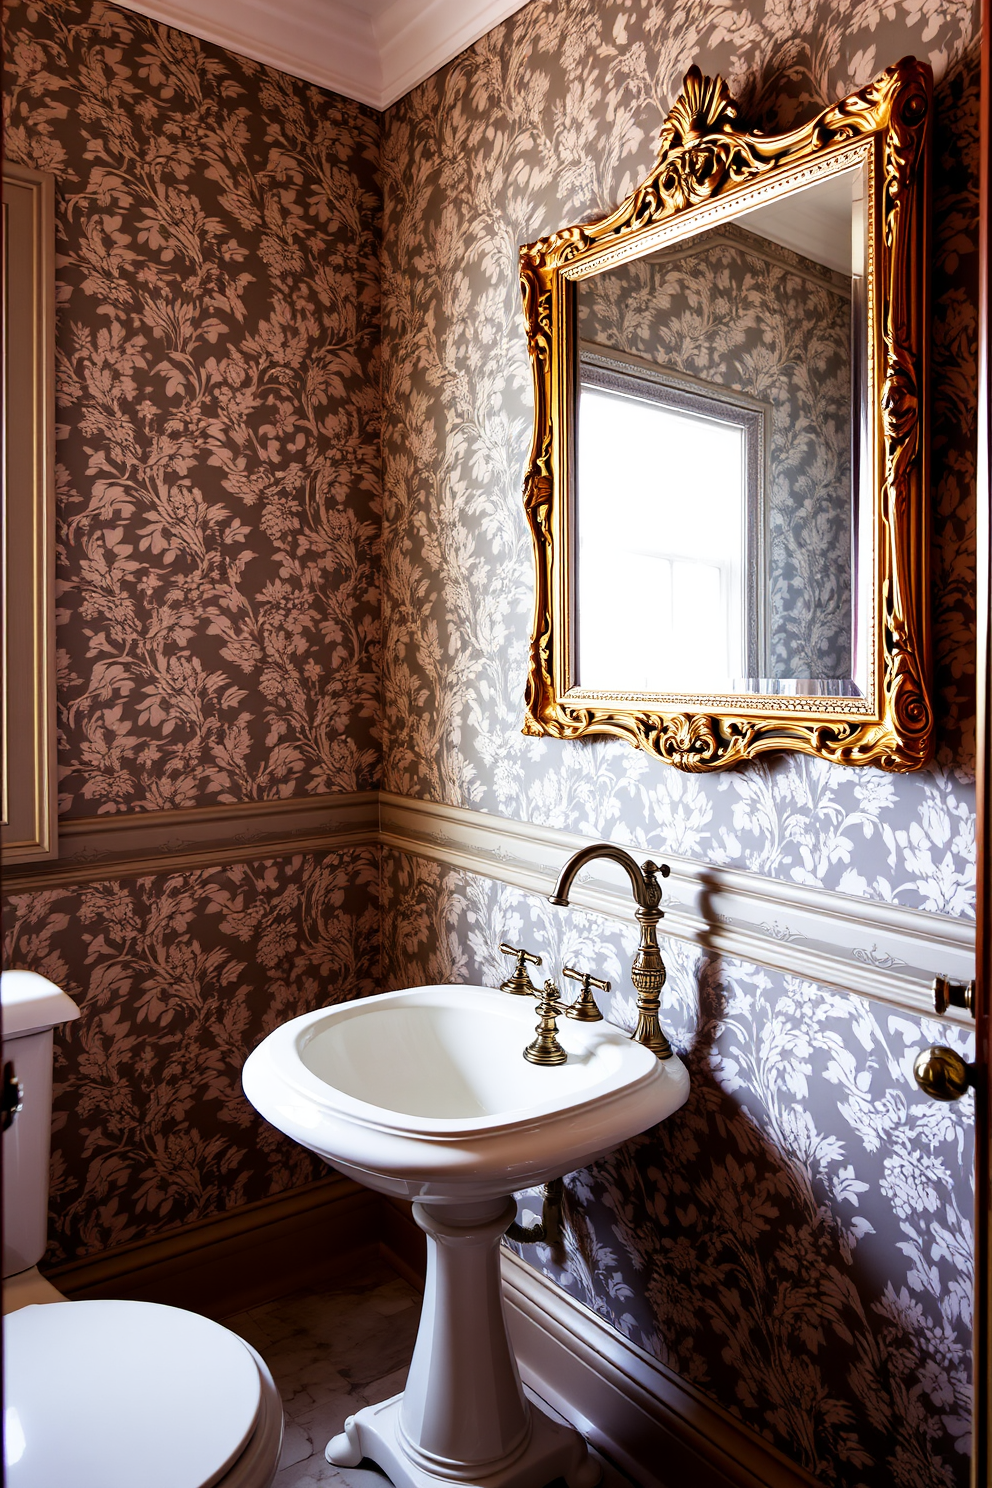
(716, 472)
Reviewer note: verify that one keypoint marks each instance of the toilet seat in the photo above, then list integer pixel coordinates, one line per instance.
(104, 1394)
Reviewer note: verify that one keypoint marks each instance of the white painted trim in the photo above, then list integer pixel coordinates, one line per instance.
(656, 1426)
(373, 59)
(878, 950)
(321, 41)
(416, 38)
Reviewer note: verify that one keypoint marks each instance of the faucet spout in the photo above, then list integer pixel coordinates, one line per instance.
(643, 882)
(648, 971)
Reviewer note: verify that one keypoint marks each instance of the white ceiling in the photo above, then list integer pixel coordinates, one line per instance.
(815, 221)
(374, 51)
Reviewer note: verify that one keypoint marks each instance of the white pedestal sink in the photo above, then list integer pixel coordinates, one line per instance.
(425, 1094)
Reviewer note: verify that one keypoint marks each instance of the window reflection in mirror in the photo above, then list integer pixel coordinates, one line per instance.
(639, 435)
(715, 518)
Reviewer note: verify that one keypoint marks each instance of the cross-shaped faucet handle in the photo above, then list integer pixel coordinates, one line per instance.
(519, 982)
(584, 1008)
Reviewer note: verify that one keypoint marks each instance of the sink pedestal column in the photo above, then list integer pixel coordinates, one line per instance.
(464, 1417)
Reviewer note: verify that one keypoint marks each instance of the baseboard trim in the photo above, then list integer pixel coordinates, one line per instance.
(658, 1429)
(250, 1255)
(402, 1241)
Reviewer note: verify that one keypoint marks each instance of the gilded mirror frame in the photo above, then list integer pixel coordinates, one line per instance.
(709, 170)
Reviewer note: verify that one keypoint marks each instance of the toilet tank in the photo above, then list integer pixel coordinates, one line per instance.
(31, 1006)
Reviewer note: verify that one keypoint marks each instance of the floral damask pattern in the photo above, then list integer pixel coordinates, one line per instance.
(178, 977)
(806, 1185)
(550, 120)
(796, 1241)
(734, 310)
(220, 393)
(218, 442)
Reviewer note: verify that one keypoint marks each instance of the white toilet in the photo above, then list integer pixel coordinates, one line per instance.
(107, 1394)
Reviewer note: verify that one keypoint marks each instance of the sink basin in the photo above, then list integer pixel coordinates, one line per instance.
(425, 1093)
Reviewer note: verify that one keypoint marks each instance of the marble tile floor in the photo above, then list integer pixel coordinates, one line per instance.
(331, 1351)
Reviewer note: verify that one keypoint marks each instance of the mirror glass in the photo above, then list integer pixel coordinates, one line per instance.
(719, 454)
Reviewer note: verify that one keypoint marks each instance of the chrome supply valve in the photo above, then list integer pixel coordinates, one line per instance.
(584, 1008)
(546, 1049)
(519, 982)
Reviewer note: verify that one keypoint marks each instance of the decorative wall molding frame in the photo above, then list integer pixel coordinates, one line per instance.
(373, 51)
(101, 847)
(882, 951)
(29, 825)
(877, 950)
(653, 1424)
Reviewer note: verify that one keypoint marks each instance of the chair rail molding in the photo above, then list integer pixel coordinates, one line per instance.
(878, 950)
(656, 1426)
(138, 843)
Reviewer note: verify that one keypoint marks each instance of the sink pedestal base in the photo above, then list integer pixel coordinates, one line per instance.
(463, 1417)
(553, 1451)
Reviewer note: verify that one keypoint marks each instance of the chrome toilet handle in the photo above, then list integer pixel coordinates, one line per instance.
(12, 1099)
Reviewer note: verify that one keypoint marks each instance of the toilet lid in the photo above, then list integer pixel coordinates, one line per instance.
(111, 1394)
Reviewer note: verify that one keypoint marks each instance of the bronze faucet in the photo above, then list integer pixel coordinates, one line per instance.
(648, 971)
(546, 1049)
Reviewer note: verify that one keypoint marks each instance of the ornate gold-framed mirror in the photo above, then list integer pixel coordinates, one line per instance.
(728, 482)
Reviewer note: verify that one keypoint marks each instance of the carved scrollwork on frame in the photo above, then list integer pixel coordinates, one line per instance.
(709, 171)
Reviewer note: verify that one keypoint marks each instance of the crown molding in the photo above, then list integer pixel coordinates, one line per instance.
(415, 38)
(321, 41)
(372, 54)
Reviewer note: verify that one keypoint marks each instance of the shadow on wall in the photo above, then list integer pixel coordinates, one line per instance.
(750, 1278)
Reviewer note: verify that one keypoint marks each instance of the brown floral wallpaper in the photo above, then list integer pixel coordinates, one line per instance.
(219, 259)
(178, 977)
(218, 513)
(218, 440)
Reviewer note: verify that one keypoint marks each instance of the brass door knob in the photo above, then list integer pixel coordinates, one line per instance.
(942, 1073)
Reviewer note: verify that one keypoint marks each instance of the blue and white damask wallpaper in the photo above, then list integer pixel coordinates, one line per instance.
(796, 1241)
